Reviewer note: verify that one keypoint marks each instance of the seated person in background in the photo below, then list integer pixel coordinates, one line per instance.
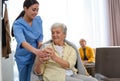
(86, 52)
(60, 65)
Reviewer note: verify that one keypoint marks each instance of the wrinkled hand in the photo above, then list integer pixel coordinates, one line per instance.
(85, 62)
(51, 52)
(44, 57)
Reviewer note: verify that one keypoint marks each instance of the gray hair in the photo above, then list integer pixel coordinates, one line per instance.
(82, 40)
(63, 26)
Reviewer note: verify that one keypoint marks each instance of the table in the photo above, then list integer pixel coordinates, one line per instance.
(90, 68)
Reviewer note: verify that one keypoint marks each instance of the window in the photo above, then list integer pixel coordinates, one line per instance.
(84, 18)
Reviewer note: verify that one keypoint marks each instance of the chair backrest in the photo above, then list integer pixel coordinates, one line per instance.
(79, 65)
(108, 61)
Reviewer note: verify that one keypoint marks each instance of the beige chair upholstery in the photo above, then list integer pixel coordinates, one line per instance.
(107, 64)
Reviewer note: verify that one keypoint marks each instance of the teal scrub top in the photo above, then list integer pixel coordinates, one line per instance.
(31, 34)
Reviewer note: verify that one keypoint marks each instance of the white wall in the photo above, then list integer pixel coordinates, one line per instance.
(7, 68)
(6, 65)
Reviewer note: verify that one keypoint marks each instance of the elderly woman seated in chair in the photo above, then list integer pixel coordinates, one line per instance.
(60, 64)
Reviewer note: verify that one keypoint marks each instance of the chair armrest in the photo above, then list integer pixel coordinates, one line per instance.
(101, 77)
(35, 77)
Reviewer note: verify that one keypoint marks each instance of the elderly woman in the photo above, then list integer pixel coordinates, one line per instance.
(86, 52)
(60, 65)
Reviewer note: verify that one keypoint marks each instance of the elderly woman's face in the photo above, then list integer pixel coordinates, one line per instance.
(58, 35)
(82, 43)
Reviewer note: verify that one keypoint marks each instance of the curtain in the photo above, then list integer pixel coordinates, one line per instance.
(114, 21)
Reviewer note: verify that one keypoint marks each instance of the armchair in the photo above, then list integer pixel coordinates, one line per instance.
(79, 65)
(107, 65)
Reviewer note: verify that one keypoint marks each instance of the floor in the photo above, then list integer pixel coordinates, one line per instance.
(16, 73)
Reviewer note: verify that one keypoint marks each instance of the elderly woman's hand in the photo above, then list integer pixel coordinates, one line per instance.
(45, 57)
(51, 52)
